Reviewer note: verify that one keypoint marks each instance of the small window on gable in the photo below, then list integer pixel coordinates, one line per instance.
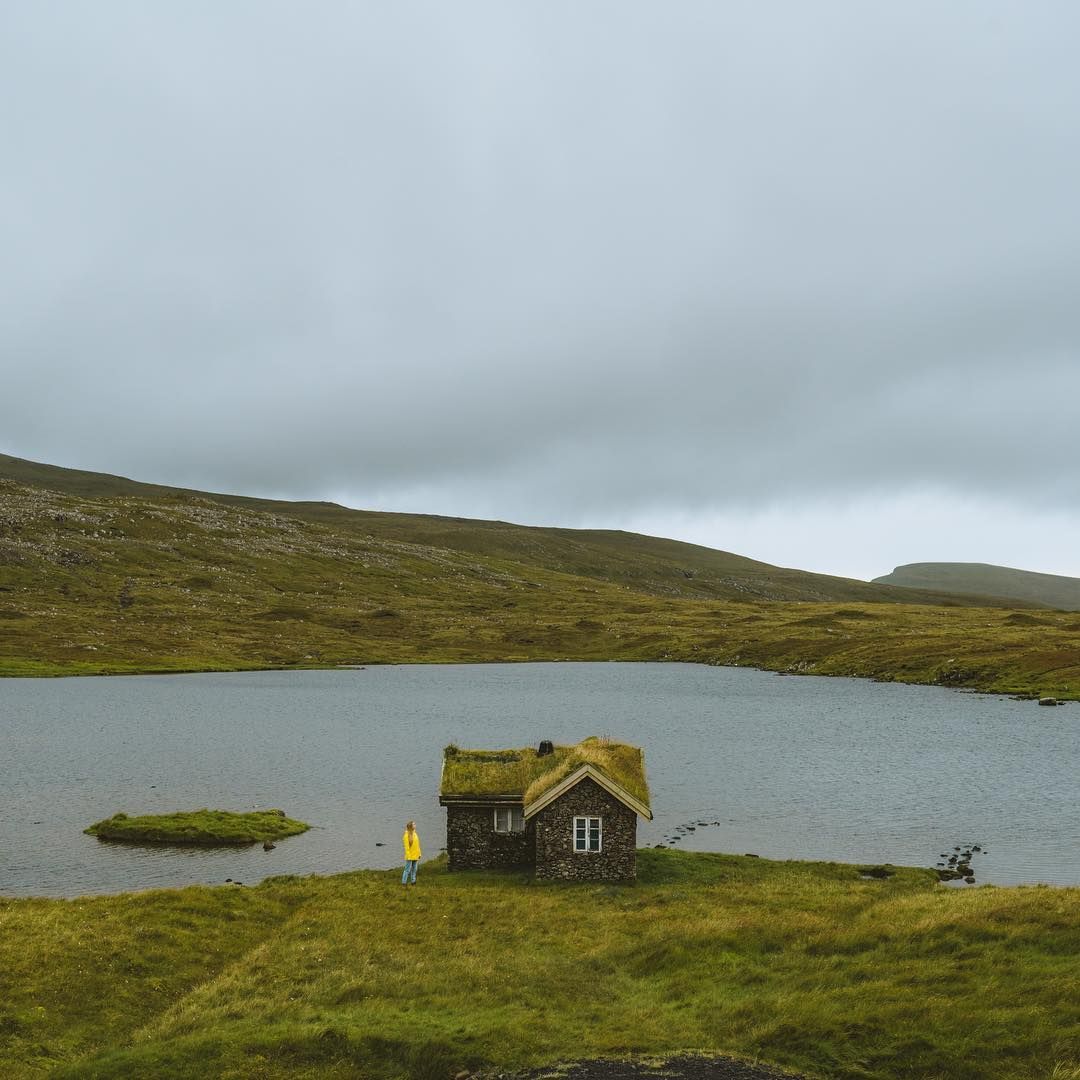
(509, 819)
(587, 832)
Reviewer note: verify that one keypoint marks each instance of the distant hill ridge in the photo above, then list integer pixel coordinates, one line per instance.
(103, 575)
(645, 564)
(1051, 590)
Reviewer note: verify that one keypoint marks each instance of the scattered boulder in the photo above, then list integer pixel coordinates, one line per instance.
(1048, 701)
(957, 866)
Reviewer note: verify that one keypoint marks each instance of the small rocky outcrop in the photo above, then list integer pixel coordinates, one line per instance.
(957, 865)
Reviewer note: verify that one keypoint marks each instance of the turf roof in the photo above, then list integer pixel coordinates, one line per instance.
(525, 774)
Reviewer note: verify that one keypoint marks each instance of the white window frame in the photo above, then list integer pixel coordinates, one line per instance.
(587, 850)
(513, 822)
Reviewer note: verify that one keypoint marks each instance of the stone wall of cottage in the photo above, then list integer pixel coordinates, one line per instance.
(473, 844)
(556, 858)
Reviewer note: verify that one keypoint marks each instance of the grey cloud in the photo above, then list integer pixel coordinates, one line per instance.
(545, 260)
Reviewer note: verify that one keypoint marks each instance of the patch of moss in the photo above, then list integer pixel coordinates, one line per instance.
(523, 772)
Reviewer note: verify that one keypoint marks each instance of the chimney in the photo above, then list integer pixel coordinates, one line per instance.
(545, 748)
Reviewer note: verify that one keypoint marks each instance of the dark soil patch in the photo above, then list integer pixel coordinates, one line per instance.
(282, 613)
(1020, 618)
(683, 1067)
(824, 619)
(877, 871)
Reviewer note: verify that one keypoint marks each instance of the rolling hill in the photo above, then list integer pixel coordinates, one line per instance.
(647, 564)
(102, 575)
(1050, 590)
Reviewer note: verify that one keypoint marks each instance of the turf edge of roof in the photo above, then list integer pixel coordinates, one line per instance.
(579, 774)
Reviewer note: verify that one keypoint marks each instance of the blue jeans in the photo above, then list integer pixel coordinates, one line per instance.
(409, 876)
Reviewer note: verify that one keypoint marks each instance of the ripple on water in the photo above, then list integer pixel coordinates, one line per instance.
(738, 761)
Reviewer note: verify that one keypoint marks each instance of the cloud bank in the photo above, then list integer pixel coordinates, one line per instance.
(587, 264)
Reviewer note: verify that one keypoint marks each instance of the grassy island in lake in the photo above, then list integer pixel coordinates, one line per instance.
(198, 827)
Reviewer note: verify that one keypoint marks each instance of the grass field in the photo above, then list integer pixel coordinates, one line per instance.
(118, 583)
(800, 964)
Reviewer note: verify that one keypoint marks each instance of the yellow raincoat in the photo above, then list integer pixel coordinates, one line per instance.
(412, 850)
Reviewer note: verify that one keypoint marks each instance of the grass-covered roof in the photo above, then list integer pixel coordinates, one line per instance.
(526, 774)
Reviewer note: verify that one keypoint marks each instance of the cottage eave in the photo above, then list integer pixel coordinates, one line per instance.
(588, 771)
(481, 800)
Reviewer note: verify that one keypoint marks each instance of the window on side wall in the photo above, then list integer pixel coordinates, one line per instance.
(587, 833)
(509, 819)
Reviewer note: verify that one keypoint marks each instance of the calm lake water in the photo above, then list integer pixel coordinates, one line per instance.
(807, 768)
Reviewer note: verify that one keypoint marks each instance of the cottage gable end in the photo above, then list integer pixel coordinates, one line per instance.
(585, 834)
(576, 777)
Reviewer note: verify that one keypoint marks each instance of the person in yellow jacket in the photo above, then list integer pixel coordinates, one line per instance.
(411, 840)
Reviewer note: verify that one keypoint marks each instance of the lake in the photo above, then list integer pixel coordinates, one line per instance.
(784, 767)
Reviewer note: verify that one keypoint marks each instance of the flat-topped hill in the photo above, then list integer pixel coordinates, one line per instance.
(974, 579)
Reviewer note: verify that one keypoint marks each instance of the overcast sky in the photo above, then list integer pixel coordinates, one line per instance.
(798, 280)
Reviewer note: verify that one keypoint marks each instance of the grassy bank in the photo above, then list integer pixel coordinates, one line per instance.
(205, 827)
(118, 585)
(801, 964)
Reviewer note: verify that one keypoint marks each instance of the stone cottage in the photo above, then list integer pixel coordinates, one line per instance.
(564, 812)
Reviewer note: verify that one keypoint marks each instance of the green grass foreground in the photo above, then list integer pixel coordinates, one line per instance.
(806, 965)
(208, 827)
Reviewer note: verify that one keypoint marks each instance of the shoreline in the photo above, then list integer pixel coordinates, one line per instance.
(859, 873)
(1015, 694)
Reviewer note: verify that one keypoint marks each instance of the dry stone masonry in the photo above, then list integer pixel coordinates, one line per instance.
(556, 858)
(547, 788)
